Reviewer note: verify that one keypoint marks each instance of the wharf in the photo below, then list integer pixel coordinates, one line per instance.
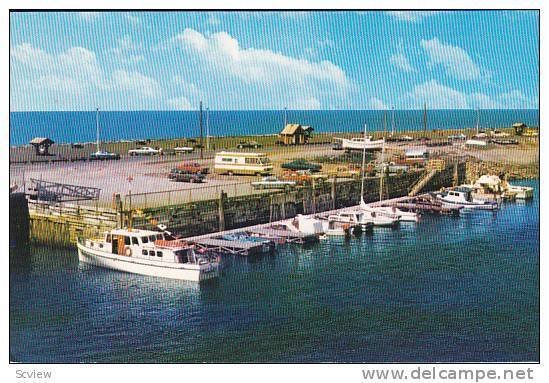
(231, 247)
(284, 235)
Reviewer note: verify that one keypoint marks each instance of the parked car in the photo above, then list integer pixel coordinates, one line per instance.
(179, 175)
(272, 182)
(301, 164)
(498, 134)
(249, 145)
(145, 151)
(481, 135)
(183, 149)
(103, 155)
(193, 167)
(460, 136)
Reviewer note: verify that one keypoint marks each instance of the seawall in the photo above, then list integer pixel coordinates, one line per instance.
(60, 226)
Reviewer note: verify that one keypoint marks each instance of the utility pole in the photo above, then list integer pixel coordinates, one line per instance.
(384, 124)
(201, 134)
(425, 120)
(97, 128)
(285, 116)
(208, 128)
(478, 118)
(393, 122)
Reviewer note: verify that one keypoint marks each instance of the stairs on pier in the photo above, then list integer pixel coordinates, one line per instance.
(422, 182)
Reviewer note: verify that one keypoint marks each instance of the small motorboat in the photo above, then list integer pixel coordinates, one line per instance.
(403, 216)
(462, 196)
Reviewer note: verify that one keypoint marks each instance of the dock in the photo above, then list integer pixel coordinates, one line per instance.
(229, 247)
(286, 236)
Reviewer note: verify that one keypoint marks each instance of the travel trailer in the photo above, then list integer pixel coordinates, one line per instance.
(242, 163)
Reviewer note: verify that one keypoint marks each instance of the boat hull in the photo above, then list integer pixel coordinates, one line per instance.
(471, 205)
(186, 272)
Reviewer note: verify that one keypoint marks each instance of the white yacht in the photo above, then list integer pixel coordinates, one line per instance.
(462, 196)
(378, 217)
(147, 252)
(305, 225)
(520, 192)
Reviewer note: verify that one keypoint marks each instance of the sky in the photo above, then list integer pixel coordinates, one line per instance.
(271, 60)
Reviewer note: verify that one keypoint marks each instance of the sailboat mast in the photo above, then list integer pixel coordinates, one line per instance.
(478, 118)
(97, 128)
(208, 128)
(382, 170)
(393, 122)
(363, 167)
(425, 120)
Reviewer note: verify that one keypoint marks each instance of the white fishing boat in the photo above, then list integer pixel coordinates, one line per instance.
(147, 252)
(461, 196)
(305, 225)
(365, 143)
(403, 216)
(334, 225)
(520, 192)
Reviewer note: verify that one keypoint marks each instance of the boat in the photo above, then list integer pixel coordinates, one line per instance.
(403, 216)
(462, 196)
(478, 143)
(301, 224)
(364, 143)
(99, 154)
(520, 192)
(357, 219)
(333, 225)
(377, 216)
(148, 252)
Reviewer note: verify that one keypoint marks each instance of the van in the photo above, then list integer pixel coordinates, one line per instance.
(242, 163)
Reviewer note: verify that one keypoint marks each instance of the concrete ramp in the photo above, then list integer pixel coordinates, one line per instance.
(422, 182)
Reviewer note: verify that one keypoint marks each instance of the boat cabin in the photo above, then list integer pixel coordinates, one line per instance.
(145, 244)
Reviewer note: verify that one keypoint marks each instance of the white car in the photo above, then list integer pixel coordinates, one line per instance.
(184, 149)
(144, 151)
(272, 183)
(499, 134)
(460, 136)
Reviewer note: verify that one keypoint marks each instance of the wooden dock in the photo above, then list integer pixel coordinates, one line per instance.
(283, 235)
(235, 247)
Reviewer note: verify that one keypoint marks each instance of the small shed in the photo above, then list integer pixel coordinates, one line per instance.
(295, 134)
(519, 128)
(42, 145)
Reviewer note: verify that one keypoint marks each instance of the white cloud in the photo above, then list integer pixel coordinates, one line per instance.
(401, 61)
(438, 96)
(411, 16)
(180, 103)
(136, 82)
(271, 78)
(74, 79)
(127, 52)
(455, 60)
(377, 104)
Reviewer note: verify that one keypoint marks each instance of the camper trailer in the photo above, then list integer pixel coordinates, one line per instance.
(242, 163)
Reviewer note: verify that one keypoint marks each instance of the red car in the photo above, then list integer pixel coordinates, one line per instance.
(193, 168)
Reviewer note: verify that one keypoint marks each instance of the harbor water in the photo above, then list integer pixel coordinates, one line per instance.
(447, 289)
(67, 127)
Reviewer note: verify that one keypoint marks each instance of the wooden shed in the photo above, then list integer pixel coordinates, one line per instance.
(42, 145)
(295, 134)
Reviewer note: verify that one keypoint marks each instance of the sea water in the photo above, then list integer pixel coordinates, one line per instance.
(446, 289)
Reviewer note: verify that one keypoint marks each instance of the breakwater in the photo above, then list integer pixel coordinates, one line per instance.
(61, 225)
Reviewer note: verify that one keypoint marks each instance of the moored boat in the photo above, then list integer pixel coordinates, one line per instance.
(147, 252)
(461, 196)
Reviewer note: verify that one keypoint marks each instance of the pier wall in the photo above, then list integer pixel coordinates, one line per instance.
(61, 225)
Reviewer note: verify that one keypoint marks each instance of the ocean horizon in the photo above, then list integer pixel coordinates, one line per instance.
(80, 126)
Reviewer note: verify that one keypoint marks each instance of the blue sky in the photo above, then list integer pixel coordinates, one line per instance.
(268, 60)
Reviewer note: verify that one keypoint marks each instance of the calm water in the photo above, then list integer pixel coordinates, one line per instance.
(447, 289)
(65, 127)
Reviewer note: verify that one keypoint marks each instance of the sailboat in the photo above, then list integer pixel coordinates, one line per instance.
(101, 154)
(370, 214)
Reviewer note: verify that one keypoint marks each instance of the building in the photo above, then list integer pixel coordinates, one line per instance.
(296, 134)
(42, 145)
(521, 129)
